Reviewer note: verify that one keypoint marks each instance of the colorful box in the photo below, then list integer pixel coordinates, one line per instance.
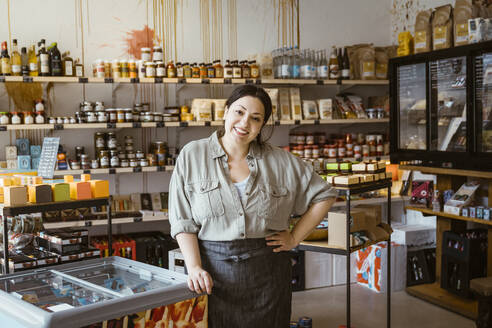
(22, 146)
(12, 164)
(100, 188)
(61, 192)
(15, 195)
(10, 152)
(24, 162)
(85, 177)
(40, 193)
(35, 151)
(68, 178)
(80, 190)
(35, 163)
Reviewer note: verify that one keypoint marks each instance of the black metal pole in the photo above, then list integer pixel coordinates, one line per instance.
(110, 230)
(5, 245)
(347, 193)
(388, 290)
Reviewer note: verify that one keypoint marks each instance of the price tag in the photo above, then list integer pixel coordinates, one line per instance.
(58, 126)
(316, 122)
(2, 78)
(205, 81)
(27, 79)
(181, 81)
(183, 124)
(47, 160)
(108, 80)
(87, 171)
(320, 82)
(136, 125)
(161, 168)
(207, 123)
(159, 124)
(134, 80)
(137, 169)
(258, 81)
(249, 81)
(158, 80)
(111, 125)
(3, 128)
(227, 81)
(297, 122)
(112, 171)
(83, 80)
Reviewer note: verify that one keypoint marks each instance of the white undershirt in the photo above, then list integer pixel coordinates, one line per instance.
(241, 188)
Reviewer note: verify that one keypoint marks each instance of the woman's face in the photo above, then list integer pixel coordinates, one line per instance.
(244, 120)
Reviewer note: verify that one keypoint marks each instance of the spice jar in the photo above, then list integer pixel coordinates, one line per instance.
(120, 115)
(171, 70)
(124, 163)
(144, 162)
(160, 69)
(157, 55)
(4, 118)
(28, 117)
(116, 69)
(132, 69)
(179, 70)
(16, 118)
(186, 70)
(125, 70)
(145, 54)
(139, 154)
(195, 71)
(148, 117)
(150, 69)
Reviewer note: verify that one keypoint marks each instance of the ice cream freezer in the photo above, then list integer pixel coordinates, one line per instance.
(83, 293)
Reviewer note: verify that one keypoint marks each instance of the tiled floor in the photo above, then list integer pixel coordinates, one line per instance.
(326, 306)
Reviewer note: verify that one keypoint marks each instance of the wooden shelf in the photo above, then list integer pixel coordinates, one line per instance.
(447, 215)
(119, 170)
(68, 79)
(13, 127)
(86, 223)
(433, 293)
(323, 246)
(376, 158)
(438, 170)
(372, 201)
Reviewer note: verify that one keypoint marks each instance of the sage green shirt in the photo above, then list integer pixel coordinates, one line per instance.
(204, 200)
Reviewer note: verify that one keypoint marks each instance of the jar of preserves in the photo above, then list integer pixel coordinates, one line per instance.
(39, 105)
(320, 138)
(94, 164)
(28, 117)
(111, 113)
(255, 70)
(152, 159)
(157, 55)
(4, 118)
(125, 70)
(16, 118)
(145, 107)
(115, 160)
(309, 139)
(160, 151)
(301, 138)
(124, 163)
(171, 70)
(138, 107)
(380, 148)
(365, 150)
(100, 72)
(145, 54)
(150, 69)
(245, 69)
(210, 71)
(357, 152)
(326, 151)
(59, 120)
(91, 117)
(86, 165)
(86, 106)
(52, 120)
(102, 117)
(158, 117)
(219, 69)
(99, 107)
(107, 68)
(144, 162)
(129, 140)
(139, 154)
(186, 70)
(132, 69)
(160, 69)
(130, 154)
(120, 115)
(104, 159)
(66, 120)
(203, 71)
(332, 151)
(112, 142)
(99, 140)
(128, 114)
(128, 147)
(121, 155)
(179, 70)
(292, 138)
(133, 163)
(316, 152)
(116, 68)
(74, 165)
(236, 70)
(308, 151)
(195, 71)
(148, 117)
(342, 150)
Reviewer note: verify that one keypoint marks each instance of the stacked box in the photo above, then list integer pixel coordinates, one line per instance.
(64, 241)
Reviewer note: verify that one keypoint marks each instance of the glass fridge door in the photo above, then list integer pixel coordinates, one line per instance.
(448, 105)
(483, 102)
(412, 106)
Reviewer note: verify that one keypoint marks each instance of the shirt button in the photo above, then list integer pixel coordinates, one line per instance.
(242, 235)
(240, 213)
(246, 193)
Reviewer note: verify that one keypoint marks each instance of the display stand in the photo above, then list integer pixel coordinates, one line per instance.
(10, 211)
(451, 179)
(324, 246)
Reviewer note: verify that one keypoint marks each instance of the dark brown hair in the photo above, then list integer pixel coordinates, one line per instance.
(258, 93)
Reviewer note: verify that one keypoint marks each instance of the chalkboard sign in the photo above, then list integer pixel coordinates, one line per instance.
(47, 163)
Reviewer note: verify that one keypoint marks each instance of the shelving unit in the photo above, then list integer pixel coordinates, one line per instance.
(324, 247)
(10, 211)
(88, 223)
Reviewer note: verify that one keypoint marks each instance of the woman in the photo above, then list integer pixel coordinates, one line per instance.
(231, 197)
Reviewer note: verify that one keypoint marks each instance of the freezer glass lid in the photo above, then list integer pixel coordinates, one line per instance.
(121, 278)
(50, 291)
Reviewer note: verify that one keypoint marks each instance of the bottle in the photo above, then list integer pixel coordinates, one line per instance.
(203, 71)
(5, 59)
(56, 61)
(305, 71)
(15, 61)
(210, 71)
(314, 64)
(171, 70)
(276, 64)
(67, 64)
(228, 70)
(236, 70)
(245, 69)
(187, 70)
(33, 61)
(333, 64)
(323, 71)
(44, 60)
(345, 65)
(284, 69)
(25, 62)
(436, 204)
(79, 68)
(340, 62)
(255, 70)
(219, 70)
(179, 70)
(296, 71)
(195, 71)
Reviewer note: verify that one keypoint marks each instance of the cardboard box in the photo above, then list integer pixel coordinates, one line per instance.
(24, 162)
(414, 235)
(35, 151)
(461, 198)
(372, 267)
(337, 226)
(15, 195)
(100, 188)
(22, 146)
(373, 213)
(10, 152)
(295, 103)
(12, 164)
(80, 190)
(176, 261)
(377, 233)
(40, 193)
(156, 201)
(61, 192)
(35, 163)
(340, 269)
(318, 269)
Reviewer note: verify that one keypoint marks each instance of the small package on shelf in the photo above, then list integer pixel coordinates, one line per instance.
(35, 151)
(295, 103)
(24, 162)
(370, 167)
(61, 192)
(325, 107)
(219, 109)
(346, 180)
(337, 226)
(18, 261)
(284, 103)
(461, 198)
(62, 242)
(10, 152)
(422, 191)
(43, 258)
(100, 188)
(202, 109)
(423, 31)
(273, 93)
(80, 190)
(22, 146)
(15, 195)
(309, 110)
(355, 104)
(40, 193)
(442, 27)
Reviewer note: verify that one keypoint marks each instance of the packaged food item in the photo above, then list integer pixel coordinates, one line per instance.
(463, 11)
(219, 109)
(477, 30)
(325, 107)
(423, 31)
(354, 60)
(273, 93)
(405, 44)
(310, 110)
(284, 103)
(202, 109)
(442, 27)
(367, 63)
(356, 106)
(381, 63)
(295, 103)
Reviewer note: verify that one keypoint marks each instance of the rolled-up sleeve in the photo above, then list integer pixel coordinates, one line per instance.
(180, 216)
(312, 189)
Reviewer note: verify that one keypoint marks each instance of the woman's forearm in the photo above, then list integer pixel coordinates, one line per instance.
(314, 215)
(188, 243)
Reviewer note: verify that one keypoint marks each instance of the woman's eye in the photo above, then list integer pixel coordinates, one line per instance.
(239, 112)
(257, 119)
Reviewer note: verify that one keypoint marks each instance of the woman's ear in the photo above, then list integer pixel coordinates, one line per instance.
(226, 111)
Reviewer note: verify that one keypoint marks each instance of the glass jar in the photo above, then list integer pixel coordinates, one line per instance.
(121, 155)
(160, 150)
(139, 154)
(80, 117)
(160, 70)
(75, 165)
(157, 55)
(124, 163)
(86, 164)
(149, 69)
(86, 106)
(66, 120)
(308, 151)
(255, 69)
(365, 150)
(316, 152)
(309, 139)
(52, 120)
(332, 151)
(116, 69)
(186, 70)
(129, 140)
(111, 112)
(112, 142)
(158, 117)
(91, 117)
(120, 116)
(301, 138)
(115, 160)
(371, 113)
(342, 150)
(99, 106)
(100, 70)
(59, 120)
(4, 118)
(72, 120)
(145, 54)
(104, 159)
(357, 152)
(380, 113)
(133, 163)
(79, 154)
(125, 72)
(152, 159)
(141, 68)
(128, 147)
(99, 140)
(132, 68)
(16, 118)
(130, 154)
(179, 70)
(94, 164)
(148, 117)
(128, 114)
(102, 117)
(39, 105)
(171, 70)
(144, 162)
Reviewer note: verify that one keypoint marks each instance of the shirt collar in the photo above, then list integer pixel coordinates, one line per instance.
(216, 149)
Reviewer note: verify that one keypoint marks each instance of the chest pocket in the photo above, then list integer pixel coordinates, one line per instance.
(205, 199)
(273, 207)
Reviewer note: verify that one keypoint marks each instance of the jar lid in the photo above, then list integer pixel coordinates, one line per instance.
(110, 109)
(111, 134)
(157, 47)
(145, 49)
(41, 112)
(149, 63)
(4, 113)
(15, 113)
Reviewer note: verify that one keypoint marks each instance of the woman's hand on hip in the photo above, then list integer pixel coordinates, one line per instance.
(199, 280)
(283, 239)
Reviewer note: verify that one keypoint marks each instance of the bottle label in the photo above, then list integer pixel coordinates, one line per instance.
(285, 71)
(323, 71)
(79, 71)
(333, 71)
(161, 71)
(16, 68)
(179, 72)
(296, 72)
(345, 73)
(236, 72)
(5, 66)
(33, 67)
(305, 71)
(68, 68)
(45, 67)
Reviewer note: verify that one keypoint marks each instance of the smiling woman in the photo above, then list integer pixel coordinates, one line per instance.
(230, 200)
